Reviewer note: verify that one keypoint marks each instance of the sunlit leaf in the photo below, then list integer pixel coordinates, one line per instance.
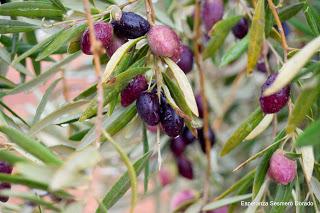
(256, 36)
(307, 161)
(262, 126)
(290, 69)
(225, 202)
(184, 85)
(242, 132)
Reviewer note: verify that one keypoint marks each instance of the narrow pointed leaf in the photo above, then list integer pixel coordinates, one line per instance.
(290, 69)
(219, 33)
(290, 11)
(310, 136)
(31, 146)
(283, 194)
(235, 51)
(256, 36)
(122, 185)
(14, 26)
(242, 132)
(225, 202)
(61, 40)
(262, 126)
(184, 85)
(302, 107)
(32, 9)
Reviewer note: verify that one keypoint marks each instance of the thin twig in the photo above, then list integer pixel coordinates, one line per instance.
(97, 49)
(198, 60)
(150, 11)
(280, 28)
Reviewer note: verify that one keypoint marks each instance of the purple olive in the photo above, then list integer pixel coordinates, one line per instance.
(103, 32)
(131, 25)
(273, 103)
(148, 108)
(135, 87)
(4, 186)
(185, 167)
(5, 167)
(187, 136)
(171, 122)
(186, 59)
(201, 139)
(114, 45)
(212, 12)
(240, 30)
(163, 41)
(177, 146)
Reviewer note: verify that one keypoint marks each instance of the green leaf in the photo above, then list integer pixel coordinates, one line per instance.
(312, 18)
(256, 36)
(112, 124)
(242, 132)
(235, 51)
(43, 76)
(292, 67)
(112, 88)
(10, 157)
(61, 40)
(283, 194)
(44, 101)
(30, 196)
(58, 4)
(31, 9)
(49, 119)
(5, 57)
(14, 26)
(225, 201)
(31, 146)
(131, 171)
(15, 179)
(74, 164)
(6, 83)
(145, 150)
(264, 165)
(122, 185)
(38, 47)
(310, 136)
(302, 107)
(36, 172)
(301, 26)
(78, 136)
(219, 33)
(184, 85)
(237, 185)
(290, 11)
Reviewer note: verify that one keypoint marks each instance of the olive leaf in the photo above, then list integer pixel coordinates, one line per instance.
(283, 194)
(219, 33)
(225, 202)
(184, 85)
(290, 11)
(262, 126)
(14, 26)
(302, 107)
(122, 185)
(235, 51)
(310, 136)
(256, 36)
(32, 9)
(31, 146)
(61, 40)
(242, 132)
(307, 161)
(291, 68)
(116, 57)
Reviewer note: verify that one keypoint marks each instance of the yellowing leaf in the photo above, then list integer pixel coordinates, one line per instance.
(184, 85)
(256, 35)
(307, 161)
(290, 69)
(116, 57)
